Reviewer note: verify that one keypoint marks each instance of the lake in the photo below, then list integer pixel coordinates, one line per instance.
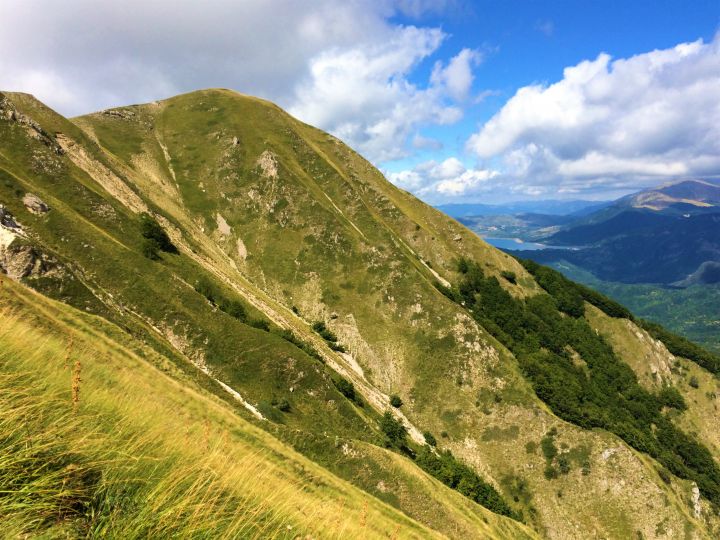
(518, 245)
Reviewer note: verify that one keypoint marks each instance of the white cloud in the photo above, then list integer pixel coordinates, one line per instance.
(442, 181)
(622, 123)
(343, 66)
(457, 77)
(362, 93)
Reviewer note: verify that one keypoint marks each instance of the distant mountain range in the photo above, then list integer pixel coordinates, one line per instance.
(661, 235)
(548, 207)
(640, 249)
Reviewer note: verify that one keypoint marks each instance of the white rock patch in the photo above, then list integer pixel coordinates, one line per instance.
(223, 226)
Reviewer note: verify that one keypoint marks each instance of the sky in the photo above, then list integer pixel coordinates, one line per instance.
(455, 101)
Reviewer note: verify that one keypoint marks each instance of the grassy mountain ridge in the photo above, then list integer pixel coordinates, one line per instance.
(297, 228)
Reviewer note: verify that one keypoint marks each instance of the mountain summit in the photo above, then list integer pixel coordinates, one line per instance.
(237, 290)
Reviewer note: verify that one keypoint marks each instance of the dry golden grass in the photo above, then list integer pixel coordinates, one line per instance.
(97, 442)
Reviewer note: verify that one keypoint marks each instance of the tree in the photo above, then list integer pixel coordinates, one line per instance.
(395, 432)
(346, 388)
(151, 230)
(430, 438)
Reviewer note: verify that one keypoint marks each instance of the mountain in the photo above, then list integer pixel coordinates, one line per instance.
(692, 194)
(549, 207)
(662, 235)
(218, 321)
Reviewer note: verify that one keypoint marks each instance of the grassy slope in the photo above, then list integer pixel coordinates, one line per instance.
(691, 312)
(138, 417)
(327, 235)
(655, 366)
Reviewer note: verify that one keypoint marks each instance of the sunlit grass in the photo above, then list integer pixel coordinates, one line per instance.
(95, 442)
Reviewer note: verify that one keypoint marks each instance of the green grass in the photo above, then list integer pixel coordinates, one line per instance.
(138, 454)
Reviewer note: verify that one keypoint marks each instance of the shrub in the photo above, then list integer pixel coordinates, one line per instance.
(283, 405)
(694, 382)
(395, 432)
(669, 396)
(664, 475)
(151, 249)
(328, 336)
(550, 472)
(260, 324)
(509, 276)
(207, 288)
(151, 230)
(234, 309)
(429, 438)
(308, 349)
(564, 464)
(395, 401)
(458, 476)
(346, 388)
(549, 450)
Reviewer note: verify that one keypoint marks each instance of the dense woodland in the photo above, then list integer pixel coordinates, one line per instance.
(576, 372)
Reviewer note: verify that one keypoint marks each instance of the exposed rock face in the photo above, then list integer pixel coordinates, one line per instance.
(19, 261)
(268, 163)
(6, 219)
(35, 204)
(697, 507)
(11, 114)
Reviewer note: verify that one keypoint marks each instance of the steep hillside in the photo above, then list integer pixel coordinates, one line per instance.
(281, 273)
(689, 193)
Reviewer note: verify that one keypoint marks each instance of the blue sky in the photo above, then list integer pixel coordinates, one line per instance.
(529, 42)
(484, 101)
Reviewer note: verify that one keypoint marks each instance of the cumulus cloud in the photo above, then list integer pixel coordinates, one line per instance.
(444, 180)
(362, 93)
(622, 123)
(457, 77)
(343, 66)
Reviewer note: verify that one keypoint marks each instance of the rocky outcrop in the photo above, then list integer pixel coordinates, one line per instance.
(9, 113)
(7, 220)
(19, 261)
(268, 164)
(35, 204)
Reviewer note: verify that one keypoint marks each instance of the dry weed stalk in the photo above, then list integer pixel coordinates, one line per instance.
(76, 380)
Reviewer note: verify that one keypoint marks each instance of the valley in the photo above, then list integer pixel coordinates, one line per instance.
(220, 321)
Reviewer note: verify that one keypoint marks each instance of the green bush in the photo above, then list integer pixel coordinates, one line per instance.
(207, 288)
(509, 276)
(396, 401)
(307, 348)
(260, 324)
(694, 382)
(283, 405)
(550, 472)
(234, 309)
(151, 230)
(563, 464)
(150, 249)
(430, 438)
(604, 392)
(346, 388)
(395, 432)
(456, 475)
(328, 336)
(669, 396)
(549, 450)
